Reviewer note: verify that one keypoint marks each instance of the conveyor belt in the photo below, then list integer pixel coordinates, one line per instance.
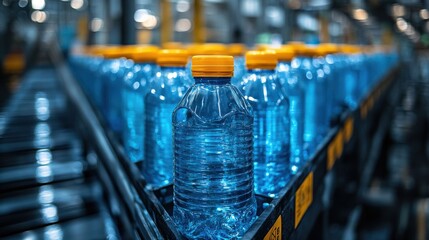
(47, 187)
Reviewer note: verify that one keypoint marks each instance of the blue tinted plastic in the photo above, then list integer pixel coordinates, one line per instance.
(133, 93)
(113, 97)
(308, 73)
(213, 185)
(294, 90)
(323, 101)
(164, 92)
(271, 147)
(239, 71)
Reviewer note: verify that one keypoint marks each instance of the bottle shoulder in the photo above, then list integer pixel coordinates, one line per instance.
(170, 86)
(213, 103)
(263, 89)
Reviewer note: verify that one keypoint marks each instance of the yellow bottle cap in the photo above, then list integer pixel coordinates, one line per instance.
(298, 47)
(207, 49)
(286, 53)
(194, 49)
(173, 45)
(172, 58)
(212, 66)
(112, 52)
(305, 50)
(262, 47)
(213, 49)
(99, 49)
(261, 59)
(237, 49)
(349, 49)
(145, 54)
(329, 48)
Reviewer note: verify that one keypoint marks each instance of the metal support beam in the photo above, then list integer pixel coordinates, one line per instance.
(199, 26)
(166, 21)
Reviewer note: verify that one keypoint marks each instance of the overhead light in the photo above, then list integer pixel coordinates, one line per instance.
(141, 15)
(182, 6)
(360, 14)
(38, 16)
(150, 22)
(183, 25)
(76, 4)
(96, 24)
(38, 4)
(398, 10)
(401, 24)
(424, 14)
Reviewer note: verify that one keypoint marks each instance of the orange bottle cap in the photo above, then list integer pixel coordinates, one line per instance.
(261, 59)
(172, 57)
(212, 66)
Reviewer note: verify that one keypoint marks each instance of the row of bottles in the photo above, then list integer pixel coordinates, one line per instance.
(225, 123)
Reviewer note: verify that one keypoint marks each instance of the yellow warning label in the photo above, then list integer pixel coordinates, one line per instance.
(303, 198)
(348, 129)
(339, 144)
(331, 155)
(275, 232)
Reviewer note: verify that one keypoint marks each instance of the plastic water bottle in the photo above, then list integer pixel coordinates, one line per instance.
(145, 59)
(110, 55)
(294, 89)
(238, 50)
(351, 77)
(133, 92)
(213, 169)
(363, 82)
(324, 86)
(314, 96)
(335, 79)
(113, 97)
(271, 147)
(164, 92)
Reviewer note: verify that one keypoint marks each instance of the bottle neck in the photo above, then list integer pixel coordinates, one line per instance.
(302, 57)
(146, 63)
(261, 71)
(284, 62)
(172, 68)
(212, 80)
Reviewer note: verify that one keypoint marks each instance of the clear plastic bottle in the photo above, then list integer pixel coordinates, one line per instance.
(164, 92)
(351, 77)
(145, 59)
(213, 168)
(113, 81)
(133, 92)
(271, 128)
(294, 89)
(314, 96)
(324, 87)
(110, 57)
(238, 50)
(329, 51)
